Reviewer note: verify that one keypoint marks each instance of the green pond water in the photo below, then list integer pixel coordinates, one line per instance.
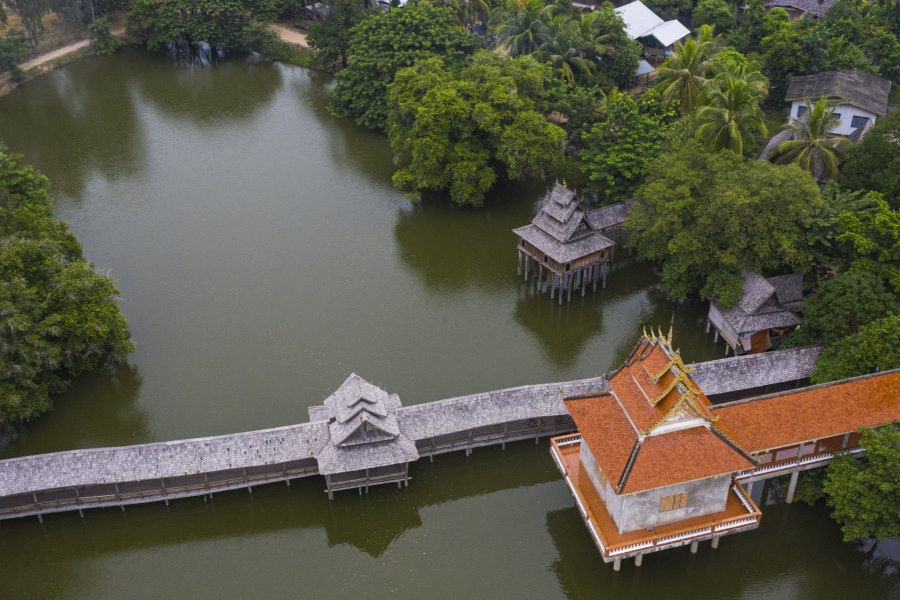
(262, 256)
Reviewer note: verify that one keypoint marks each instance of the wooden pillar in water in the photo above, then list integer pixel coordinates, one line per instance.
(583, 281)
(792, 486)
(563, 280)
(518, 263)
(552, 287)
(527, 266)
(571, 283)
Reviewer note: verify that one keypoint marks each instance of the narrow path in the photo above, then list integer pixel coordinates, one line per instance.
(289, 35)
(54, 54)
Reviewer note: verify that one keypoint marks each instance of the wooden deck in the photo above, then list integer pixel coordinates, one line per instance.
(740, 513)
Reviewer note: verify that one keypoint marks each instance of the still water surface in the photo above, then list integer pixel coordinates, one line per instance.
(262, 255)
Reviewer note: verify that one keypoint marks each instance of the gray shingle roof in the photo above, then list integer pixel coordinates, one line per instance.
(607, 217)
(162, 459)
(816, 8)
(343, 459)
(755, 370)
(756, 291)
(424, 421)
(759, 308)
(855, 87)
(561, 230)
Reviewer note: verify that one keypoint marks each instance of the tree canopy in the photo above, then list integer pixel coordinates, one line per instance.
(387, 42)
(452, 131)
(707, 216)
(58, 317)
(876, 346)
(864, 490)
(874, 163)
(219, 23)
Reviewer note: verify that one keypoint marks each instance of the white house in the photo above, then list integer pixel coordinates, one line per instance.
(858, 98)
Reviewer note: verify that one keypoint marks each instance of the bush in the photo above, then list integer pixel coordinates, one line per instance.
(102, 39)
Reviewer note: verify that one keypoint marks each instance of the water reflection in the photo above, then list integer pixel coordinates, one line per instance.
(453, 248)
(100, 409)
(207, 97)
(72, 107)
(562, 330)
(765, 563)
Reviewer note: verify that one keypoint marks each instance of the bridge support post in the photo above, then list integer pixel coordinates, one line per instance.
(716, 337)
(617, 564)
(638, 560)
(715, 542)
(792, 487)
(708, 323)
(750, 487)
(694, 546)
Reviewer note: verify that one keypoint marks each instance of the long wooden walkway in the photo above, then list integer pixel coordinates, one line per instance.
(163, 471)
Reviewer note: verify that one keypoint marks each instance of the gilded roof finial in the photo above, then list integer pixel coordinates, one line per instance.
(669, 337)
(564, 183)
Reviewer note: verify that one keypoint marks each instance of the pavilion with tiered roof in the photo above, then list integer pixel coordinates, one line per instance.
(567, 247)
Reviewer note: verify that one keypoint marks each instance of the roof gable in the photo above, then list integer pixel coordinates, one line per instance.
(861, 89)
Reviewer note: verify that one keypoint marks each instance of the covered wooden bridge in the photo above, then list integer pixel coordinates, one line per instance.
(359, 437)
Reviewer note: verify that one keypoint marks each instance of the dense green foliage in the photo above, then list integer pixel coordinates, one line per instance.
(331, 36)
(874, 163)
(219, 23)
(876, 346)
(864, 490)
(449, 131)
(385, 43)
(58, 317)
(718, 13)
(707, 216)
(12, 49)
(586, 48)
(102, 39)
(812, 147)
(627, 136)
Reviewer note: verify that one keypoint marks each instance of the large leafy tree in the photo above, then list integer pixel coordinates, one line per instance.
(706, 217)
(730, 116)
(718, 13)
(811, 145)
(450, 132)
(219, 23)
(387, 42)
(58, 317)
(864, 490)
(627, 136)
(331, 36)
(876, 346)
(874, 163)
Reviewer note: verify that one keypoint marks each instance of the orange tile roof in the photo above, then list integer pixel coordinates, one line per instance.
(680, 456)
(603, 425)
(812, 413)
(635, 404)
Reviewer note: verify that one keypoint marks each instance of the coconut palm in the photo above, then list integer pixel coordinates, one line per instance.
(561, 49)
(730, 117)
(521, 26)
(684, 75)
(593, 39)
(811, 146)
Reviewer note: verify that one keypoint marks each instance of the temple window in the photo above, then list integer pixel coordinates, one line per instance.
(672, 502)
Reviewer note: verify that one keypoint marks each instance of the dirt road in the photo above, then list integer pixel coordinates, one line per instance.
(291, 36)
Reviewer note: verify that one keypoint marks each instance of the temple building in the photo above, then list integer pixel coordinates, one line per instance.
(566, 247)
(767, 311)
(655, 465)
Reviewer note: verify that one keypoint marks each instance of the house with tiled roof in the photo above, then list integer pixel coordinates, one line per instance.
(655, 465)
(858, 98)
(768, 309)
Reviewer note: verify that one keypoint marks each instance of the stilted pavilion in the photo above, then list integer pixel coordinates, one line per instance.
(561, 247)
(366, 446)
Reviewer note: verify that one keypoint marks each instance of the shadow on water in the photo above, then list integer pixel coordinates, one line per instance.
(72, 107)
(100, 409)
(772, 561)
(451, 248)
(370, 523)
(206, 97)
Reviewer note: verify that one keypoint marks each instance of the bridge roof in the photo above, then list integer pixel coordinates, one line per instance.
(812, 413)
(162, 459)
(750, 371)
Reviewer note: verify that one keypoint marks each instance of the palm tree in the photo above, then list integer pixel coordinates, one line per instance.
(731, 117)
(522, 24)
(593, 40)
(811, 146)
(684, 74)
(561, 49)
